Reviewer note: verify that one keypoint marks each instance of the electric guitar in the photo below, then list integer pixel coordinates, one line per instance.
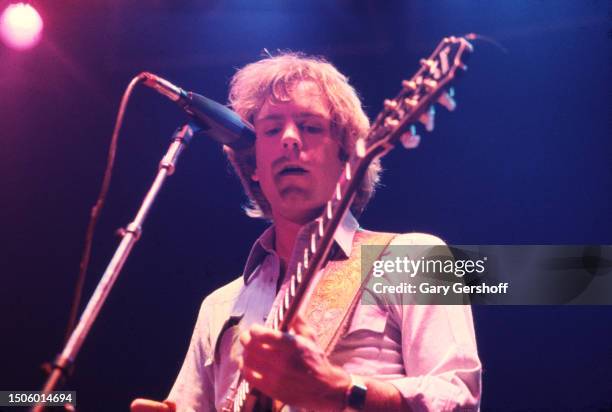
(396, 122)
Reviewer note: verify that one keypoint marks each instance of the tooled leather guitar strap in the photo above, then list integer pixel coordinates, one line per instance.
(336, 295)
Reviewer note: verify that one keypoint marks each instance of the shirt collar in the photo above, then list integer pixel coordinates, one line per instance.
(264, 245)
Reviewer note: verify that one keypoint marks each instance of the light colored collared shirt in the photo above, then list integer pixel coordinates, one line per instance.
(427, 352)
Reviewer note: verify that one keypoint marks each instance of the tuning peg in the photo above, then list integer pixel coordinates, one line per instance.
(411, 102)
(428, 119)
(431, 64)
(446, 99)
(391, 123)
(410, 140)
(409, 84)
(390, 104)
(430, 84)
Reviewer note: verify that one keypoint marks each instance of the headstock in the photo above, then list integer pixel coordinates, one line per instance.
(415, 102)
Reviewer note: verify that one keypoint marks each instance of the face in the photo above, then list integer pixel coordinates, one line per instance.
(297, 158)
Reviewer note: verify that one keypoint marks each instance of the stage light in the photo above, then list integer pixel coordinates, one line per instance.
(20, 26)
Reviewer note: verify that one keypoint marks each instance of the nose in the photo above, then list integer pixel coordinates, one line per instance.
(291, 140)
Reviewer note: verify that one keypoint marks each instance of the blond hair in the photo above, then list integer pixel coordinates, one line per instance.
(274, 78)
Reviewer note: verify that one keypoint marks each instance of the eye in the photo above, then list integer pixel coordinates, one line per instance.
(311, 128)
(272, 131)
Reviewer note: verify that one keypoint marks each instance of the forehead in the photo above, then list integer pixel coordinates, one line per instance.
(305, 98)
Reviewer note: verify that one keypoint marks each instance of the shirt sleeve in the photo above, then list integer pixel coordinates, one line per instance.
(443, 371)
(193, 390)
(439, 352)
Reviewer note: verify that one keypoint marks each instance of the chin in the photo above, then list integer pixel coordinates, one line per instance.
(300, 212)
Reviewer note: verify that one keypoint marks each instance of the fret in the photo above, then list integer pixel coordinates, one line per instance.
(305, 258)
(298, 272)
(313, 243)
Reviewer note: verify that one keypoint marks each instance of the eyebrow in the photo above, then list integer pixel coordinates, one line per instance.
(300, 115)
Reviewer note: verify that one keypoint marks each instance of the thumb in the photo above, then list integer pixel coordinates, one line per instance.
(147, 405)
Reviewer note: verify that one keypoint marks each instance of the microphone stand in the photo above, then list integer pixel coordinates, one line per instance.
(64, 362)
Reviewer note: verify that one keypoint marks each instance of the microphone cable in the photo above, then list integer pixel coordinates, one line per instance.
(97, 207)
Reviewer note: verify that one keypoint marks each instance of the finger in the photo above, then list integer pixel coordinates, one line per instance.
(171, 405)
(300, 327)
(261, 335)
(266, 380)
(259, 339)
(147, 405)
(245, 338)
(252, 376)
(265, 357)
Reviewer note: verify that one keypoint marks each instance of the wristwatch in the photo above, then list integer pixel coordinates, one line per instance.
(355, 395)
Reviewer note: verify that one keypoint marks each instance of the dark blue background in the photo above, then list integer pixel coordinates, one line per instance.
(526, 159)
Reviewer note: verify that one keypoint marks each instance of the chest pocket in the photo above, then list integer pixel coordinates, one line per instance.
(367, 320)
(228, 338)
(362, 347)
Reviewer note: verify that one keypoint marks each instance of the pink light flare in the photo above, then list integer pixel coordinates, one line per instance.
(20, 26)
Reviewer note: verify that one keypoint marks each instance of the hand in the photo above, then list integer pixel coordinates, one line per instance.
(292, 368)
(146, 405)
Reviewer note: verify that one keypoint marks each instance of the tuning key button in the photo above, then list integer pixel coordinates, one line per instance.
(410, 140)
(428, 119)
(446, 100)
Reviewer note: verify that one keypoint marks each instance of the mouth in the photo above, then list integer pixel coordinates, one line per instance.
(292, 170)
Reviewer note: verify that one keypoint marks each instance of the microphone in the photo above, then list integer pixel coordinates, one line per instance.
(216, 120)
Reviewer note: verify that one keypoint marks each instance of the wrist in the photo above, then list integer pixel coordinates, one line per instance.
(355, 395)
(339, 385)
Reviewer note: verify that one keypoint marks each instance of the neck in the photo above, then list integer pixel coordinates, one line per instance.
(285, 232)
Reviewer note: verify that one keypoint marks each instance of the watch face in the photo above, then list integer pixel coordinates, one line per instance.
(357, 396)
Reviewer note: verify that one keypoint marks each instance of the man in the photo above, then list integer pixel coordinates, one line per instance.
(394, 356)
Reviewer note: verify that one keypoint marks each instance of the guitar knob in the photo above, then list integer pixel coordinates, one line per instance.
(447, 100)
(428, 119)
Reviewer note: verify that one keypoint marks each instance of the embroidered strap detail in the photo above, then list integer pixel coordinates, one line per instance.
(335, 296)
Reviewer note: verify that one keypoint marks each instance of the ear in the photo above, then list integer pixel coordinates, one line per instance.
(254, 176)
